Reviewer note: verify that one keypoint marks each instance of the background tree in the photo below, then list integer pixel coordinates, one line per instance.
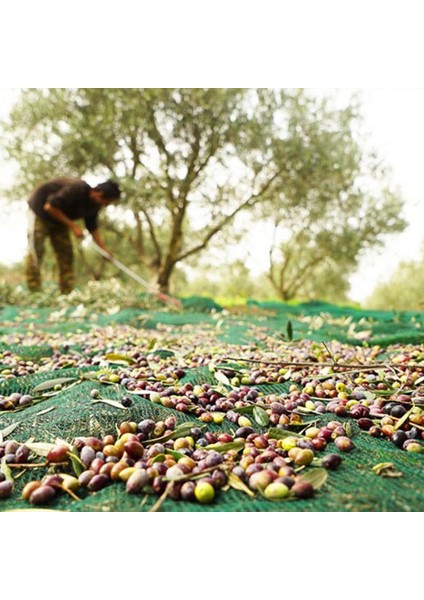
(404, 290)
(192, 160)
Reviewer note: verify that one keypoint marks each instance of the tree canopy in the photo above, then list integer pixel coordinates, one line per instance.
(191, 160)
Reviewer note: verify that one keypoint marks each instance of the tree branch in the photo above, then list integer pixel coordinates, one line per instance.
(249, 202)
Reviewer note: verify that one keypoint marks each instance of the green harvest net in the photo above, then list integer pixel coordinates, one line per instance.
(40, 336)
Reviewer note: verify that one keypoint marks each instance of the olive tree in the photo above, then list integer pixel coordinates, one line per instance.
(191, 160)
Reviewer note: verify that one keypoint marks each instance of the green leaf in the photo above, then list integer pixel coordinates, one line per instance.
(39, 448)
(6, 470)
(280, 434)
(221, 378)
(244, 410)
(119, 359)
(348, 429)
(316, 477)
(113, 403)
(237, 484)
(77, 464)
(175, 454)
(403, 419)
(8, 430)
(158, 458)
(225, 446)
(261, 416)
(48, 385)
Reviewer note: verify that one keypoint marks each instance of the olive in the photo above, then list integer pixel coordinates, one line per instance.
(398, 438)
(344, 443)
(276, 491)
(6, 488)
(98, 482)
(213, 459)
(204, 492)
(137, 481)
(21, 454)
(29, 488)
(187, 491)
(87, 455)
(146, 426)
(243, 432)
(58, 454)
(398, 411)
(331, 461)
(42, 494)
(303, 490)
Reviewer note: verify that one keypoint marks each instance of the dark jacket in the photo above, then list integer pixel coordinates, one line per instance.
(69, 195)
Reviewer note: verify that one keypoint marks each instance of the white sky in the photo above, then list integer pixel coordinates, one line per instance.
(394, 119)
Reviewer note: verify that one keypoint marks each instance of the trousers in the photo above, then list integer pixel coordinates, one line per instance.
(39, 231)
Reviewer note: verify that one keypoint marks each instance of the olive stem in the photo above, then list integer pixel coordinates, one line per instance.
(70, 492)
(156, 506)
(332, 364)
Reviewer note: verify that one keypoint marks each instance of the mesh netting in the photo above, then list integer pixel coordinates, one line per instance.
(71, 413)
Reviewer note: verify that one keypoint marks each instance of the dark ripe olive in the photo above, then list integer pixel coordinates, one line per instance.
(159, 485)
(174, 491)
(305, 444)
(98, 482)
(127, 402)
(302, 490)
(196, 433)
(85, 477)
(137, 481)
(9, 458)
(213, 459)
(325, 433)
(219, 479)
(365, 423)
(318, 444)
(134, 449)
(6, 488)
(58, 454)
(210, 437)
(413, 433)
(161, 468)
(278, 408)
(243, 432)
(42, 495)
(254, 468)
(146, 426)
(187, 491)
(397, 411)
(202, 442)
(87, 455)
(331, 461)
(399, 438)
(21, 454)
